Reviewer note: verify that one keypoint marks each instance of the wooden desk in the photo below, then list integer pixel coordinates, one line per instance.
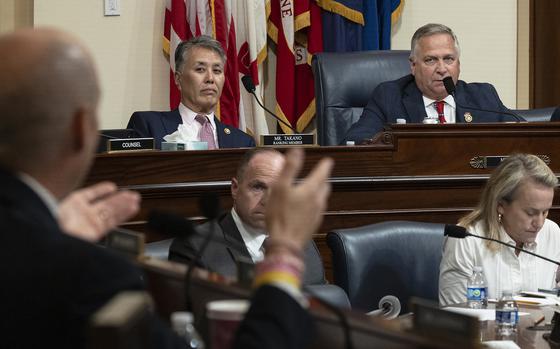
(165, 281)
(413, 172)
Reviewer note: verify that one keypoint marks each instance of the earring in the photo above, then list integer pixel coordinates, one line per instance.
(500, 218)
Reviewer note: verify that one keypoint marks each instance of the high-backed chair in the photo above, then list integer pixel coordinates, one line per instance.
(344, 83)
(398, 258)
(533, 115)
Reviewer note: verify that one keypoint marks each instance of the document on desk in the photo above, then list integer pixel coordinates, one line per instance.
(481, 314)
(500, 345)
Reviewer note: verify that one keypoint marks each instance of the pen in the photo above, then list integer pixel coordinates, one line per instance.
(539, 321)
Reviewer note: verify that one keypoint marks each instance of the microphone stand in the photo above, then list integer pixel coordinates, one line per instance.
(514, 247)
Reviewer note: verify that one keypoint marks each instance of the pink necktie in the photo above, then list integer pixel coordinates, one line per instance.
(206, 134)
(439, 107)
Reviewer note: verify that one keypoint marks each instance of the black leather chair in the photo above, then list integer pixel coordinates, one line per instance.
(398, 258)
(330, 293)
(344, 83)
(534, 115)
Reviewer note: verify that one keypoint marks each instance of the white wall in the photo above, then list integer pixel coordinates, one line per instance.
(133, 71)
(487, 33)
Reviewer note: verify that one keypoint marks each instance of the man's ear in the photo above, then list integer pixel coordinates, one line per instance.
(177, 77)
(234, 188)
(79, 129)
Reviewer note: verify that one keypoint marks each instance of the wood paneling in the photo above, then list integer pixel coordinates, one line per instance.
(415, 172)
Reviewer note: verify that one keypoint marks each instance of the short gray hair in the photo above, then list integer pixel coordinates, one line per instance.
(203, 41)
(429, 30)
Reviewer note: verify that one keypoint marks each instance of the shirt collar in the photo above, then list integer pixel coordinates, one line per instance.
(44, 194)
(188, 115)
(531, 246)
(449, 100)
(253, 238)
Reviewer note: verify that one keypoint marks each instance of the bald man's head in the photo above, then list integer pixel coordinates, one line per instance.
(47, 78)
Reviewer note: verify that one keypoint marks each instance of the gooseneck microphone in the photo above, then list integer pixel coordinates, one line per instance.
(459, 232)
(389, 308)
(247, 81)
(450, 88)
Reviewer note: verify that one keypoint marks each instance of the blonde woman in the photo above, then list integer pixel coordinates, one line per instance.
(513, 208)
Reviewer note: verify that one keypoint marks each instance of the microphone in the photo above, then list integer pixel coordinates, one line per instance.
(459, 232)
(247, 81)
(389, 308)
(450, 88)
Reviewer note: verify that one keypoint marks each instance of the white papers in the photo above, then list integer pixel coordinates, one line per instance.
(481, 314)
(500, 345)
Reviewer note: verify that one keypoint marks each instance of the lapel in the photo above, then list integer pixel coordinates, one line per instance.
(413, 103)
(171, 121)
(225, 138)
(460, 98)
(234, 242)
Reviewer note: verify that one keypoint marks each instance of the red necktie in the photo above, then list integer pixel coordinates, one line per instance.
(439, 107)
(205, 134)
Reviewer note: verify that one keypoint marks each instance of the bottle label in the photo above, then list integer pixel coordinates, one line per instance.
(507, 316)
(476, 293)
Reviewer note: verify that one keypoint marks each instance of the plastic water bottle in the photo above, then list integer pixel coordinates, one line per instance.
(182, 323)
(507, 314)
(477, 291)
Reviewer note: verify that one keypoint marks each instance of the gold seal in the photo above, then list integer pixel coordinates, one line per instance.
(468, 117)
(227, 131)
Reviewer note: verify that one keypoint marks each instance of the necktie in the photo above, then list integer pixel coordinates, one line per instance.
(205, 134)
(439, 107)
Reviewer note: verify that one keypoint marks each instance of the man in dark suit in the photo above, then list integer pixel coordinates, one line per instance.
(422, 96)
(239, 234)
(277, 317)
(199, 75)
(51, 282)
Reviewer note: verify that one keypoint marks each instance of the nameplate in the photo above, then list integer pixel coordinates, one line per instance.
(495, 161)
(128, 144)
(435, 323)
(295, 140)
(126, 242)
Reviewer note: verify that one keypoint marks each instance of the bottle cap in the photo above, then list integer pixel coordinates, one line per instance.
(350, 143)
(181, 318)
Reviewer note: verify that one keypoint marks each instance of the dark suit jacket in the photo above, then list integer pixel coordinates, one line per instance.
(401, 98)
(274, 321)
(228, 246)
(158, 124)
(556, 115)
(51, 282)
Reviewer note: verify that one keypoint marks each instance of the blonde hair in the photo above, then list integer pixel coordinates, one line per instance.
(502, 187)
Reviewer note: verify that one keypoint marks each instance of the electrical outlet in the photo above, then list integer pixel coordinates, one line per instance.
(112, 7)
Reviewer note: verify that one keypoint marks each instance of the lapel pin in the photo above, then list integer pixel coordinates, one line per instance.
(468, 117)
(227, 131)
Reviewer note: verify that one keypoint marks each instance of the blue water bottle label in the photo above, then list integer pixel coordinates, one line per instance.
(476, 293)
(507, 316)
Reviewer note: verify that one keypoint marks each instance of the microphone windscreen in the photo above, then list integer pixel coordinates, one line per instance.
(455, 231)
(170, 224)
(247, 81)
(449, 85)
(391, 306)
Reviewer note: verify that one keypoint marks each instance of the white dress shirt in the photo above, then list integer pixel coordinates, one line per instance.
(253, 238)
(502, 269)
(449, 109)
(188, 117)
